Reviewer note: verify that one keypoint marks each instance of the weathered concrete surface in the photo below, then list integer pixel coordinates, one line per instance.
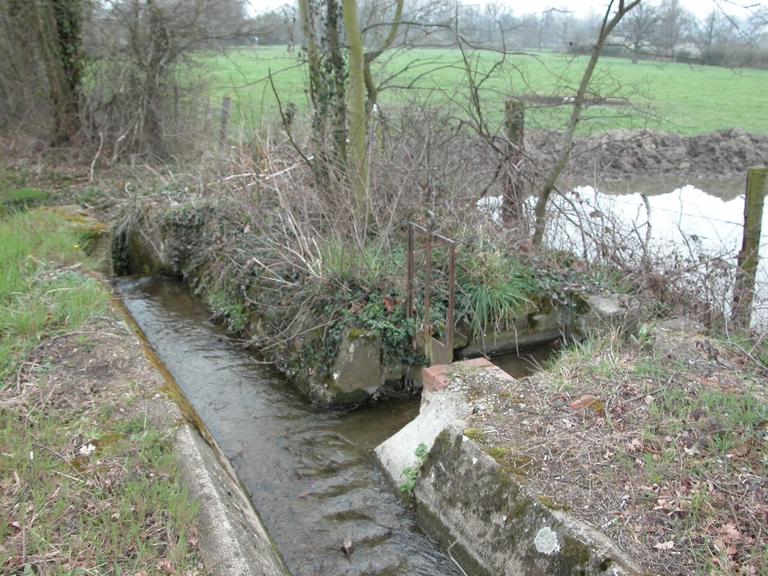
(602, 314)
(232, 538)
(535, 327)
(506, 529)
(594, 315)
(357, 373)
(467, 498)
(437, 410)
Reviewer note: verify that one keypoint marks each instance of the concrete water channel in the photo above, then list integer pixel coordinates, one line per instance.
(309, 471)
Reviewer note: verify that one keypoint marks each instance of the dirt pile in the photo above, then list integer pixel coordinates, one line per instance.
(623, 154)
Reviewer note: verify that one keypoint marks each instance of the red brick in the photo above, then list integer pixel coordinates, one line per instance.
(441, 381)
(428, 376)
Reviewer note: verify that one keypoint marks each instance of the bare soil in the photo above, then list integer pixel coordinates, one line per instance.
(622, 440)
(80, 379)
(624, 154)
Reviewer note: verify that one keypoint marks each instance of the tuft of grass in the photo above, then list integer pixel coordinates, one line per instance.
(368, 265)
(43, 288)
(494, 291)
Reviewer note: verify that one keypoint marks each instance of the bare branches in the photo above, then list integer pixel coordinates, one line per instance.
(609, 23)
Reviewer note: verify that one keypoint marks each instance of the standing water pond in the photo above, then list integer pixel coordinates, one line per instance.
(310, 473)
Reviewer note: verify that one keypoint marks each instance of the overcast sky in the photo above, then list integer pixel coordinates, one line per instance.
(699, 7)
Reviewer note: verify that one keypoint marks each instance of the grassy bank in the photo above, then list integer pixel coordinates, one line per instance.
(88, 476)
(667, 96)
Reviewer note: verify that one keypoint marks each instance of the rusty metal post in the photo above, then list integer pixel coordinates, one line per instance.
(442, 352)
(409, 296)
(451, 293)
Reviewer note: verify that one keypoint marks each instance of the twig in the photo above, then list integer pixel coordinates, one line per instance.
(67, 462)
(454, 559)
(285, 122)
(98, 153)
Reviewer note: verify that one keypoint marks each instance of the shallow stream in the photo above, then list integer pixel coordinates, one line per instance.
(309, 472)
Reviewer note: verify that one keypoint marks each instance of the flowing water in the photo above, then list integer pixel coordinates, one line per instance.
(309, 472)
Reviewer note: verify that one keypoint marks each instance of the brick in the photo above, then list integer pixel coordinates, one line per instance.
(428, 376)
(441, 381)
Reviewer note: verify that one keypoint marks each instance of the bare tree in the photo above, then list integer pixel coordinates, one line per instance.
(638, 27)
(674, 19)
(610, 21)
(342, 89)
(142, 44)
(58, 26)
(712, 37)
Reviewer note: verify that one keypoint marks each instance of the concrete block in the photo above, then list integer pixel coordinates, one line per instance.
(502, 526)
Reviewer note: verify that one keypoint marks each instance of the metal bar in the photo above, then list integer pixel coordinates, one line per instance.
(426, 328)
(409, 297)
(427, 297)
(451, 290)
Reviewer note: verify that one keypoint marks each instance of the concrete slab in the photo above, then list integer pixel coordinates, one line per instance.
(398, 453)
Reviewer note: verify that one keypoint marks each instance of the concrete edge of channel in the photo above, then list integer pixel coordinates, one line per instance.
(232, 538)
(498, 526)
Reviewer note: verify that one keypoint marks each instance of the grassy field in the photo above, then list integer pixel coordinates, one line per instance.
(671, 97)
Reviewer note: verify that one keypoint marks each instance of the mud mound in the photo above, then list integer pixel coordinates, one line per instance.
(622, 154)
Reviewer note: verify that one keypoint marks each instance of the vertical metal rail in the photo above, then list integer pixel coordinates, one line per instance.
(437, 352)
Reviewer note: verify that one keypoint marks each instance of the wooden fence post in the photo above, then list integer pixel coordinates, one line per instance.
(749, 257)
(514, 122)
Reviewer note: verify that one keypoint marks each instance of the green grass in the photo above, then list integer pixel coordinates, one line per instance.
(43, 290)
(100, 510)
(493, 290)
(84, 487)
(21, 199)
(687, 99)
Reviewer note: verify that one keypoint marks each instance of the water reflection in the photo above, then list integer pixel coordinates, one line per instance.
(687, 221)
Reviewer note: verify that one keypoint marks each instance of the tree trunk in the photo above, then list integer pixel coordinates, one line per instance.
(357, 113)
(58, 27)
